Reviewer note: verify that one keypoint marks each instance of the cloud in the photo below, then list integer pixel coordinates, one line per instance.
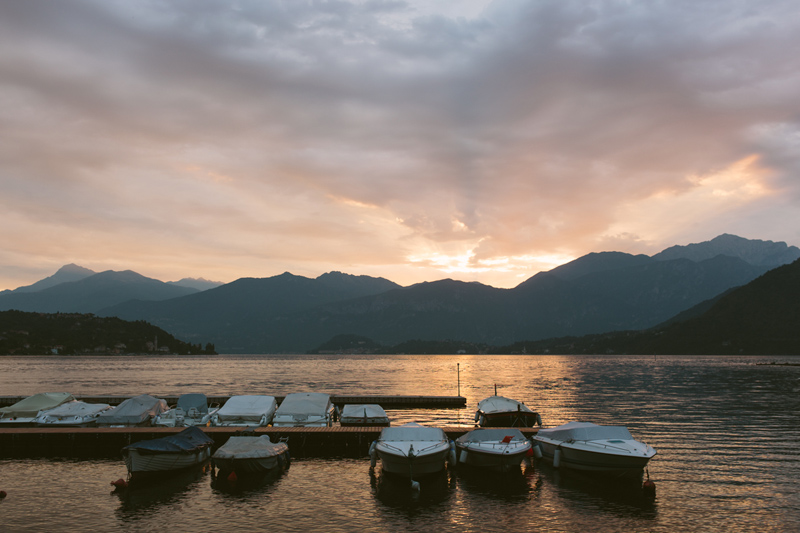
(265, 136)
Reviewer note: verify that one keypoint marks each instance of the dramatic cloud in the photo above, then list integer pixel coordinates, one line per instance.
(480, 141)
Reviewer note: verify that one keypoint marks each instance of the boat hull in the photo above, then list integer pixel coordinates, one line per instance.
(493, 458)
(148, 464)
(578, 458)
(418, 465)
(251, 466)
(509, 419)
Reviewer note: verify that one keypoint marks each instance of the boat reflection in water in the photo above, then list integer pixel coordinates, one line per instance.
(395, 490)
(623, 496)
(225, 483)
(153, 493)
(513, 485)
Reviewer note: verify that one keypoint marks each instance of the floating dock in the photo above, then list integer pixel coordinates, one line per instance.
(385, 401)
(89, 443)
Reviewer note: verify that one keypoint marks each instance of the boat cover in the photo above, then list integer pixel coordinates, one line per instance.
(30, 406)
(196, 401)
(247, 407)
(304, 403)
(363, 411)
(572, 431)
(491, 434)
(499, 404)
(412, 432)
(188, 440)
(133, 411)
(249, 448)
(71, 409)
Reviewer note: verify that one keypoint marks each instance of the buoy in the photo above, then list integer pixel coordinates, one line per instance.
(648, 487)
(529, 453)
(557, 458)
(452, 453)
(537, 451)
(463, 457)
(415, 485)
(119, 484)
(232, 477)
(3, 494)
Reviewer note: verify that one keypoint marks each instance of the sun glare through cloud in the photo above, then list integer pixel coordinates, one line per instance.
(484, 141)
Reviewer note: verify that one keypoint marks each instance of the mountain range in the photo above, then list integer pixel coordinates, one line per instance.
(594, 294)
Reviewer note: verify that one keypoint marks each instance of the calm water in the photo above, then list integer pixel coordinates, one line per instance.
(726, 431)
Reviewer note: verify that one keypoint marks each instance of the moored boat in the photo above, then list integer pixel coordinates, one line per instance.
(72, 414)
(186, 449)
(191, 410)
(593, 448)
(411, 450)
(136, 411)
(499, 411)
(247, 410)
(363, 415)
(251, 455)
(25, 411)
(304, 409)
(496, 449)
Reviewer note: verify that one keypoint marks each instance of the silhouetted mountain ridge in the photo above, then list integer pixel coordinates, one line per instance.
(595, 294)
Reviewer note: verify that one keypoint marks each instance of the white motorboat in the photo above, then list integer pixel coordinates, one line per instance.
(496, 449)
(186, 449)
(499, 411)
(137, 411)
(591, 447)
(363, 415)
(191, 410)
(72, 414)
(251, 455)
(252, 410)
(411, 450)
(25, 411)
(304, 409)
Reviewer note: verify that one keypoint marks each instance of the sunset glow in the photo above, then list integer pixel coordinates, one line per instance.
(480, 141)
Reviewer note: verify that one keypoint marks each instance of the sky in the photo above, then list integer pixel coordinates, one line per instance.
(411, 140)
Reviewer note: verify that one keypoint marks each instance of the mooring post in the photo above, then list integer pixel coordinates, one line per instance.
(458, 373)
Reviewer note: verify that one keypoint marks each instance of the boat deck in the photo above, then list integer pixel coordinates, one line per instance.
(96, 442)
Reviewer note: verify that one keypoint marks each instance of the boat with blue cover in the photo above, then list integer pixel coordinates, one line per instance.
(186, 449)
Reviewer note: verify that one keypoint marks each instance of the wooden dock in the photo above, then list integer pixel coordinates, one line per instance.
(90, 443)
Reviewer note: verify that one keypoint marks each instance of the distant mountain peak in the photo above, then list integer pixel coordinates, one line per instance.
(201, 284)
(753, 251)
(65, 274)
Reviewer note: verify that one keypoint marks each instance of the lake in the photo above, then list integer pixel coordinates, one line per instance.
(726, 430)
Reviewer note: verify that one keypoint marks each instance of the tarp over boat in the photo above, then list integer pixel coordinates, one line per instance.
(80, 409)
(305, 403)
(30, 406)
(491, 434)
(412, 432)
(361, 411)
(133, 411)
(572, 431)
(249, 448)
(188, 440)
(247, 408)
(500, 404)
